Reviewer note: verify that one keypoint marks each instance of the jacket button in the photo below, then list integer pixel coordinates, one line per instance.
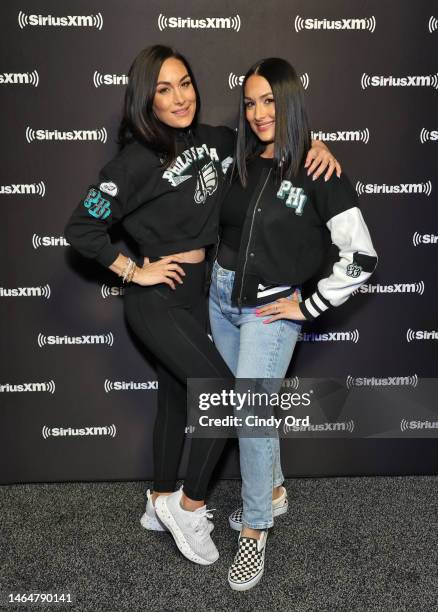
(245, 299)
(259, 210)
(251, 254)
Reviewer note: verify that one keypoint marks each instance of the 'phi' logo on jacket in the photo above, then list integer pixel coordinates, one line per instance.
(294, 196)
(97, 206)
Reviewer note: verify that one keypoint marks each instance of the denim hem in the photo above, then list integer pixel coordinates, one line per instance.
(278, 484)
(258, 526)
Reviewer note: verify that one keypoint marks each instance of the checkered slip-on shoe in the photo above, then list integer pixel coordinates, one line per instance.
(249, 562)
(279, 507)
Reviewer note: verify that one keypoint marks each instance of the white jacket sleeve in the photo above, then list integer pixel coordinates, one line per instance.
(357, 261)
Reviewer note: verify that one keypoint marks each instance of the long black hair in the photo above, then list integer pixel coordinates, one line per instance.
(139, 121)
(292, 135)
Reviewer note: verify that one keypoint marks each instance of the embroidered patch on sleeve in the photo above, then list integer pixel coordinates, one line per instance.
(97, 206)
(109, 188)
(353, 270)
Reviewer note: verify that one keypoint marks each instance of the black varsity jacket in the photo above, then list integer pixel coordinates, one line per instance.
(284, 240)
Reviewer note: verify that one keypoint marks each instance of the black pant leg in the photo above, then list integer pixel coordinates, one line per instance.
(172, 328)
(169, 430)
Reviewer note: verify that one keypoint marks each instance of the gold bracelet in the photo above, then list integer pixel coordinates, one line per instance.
(131, 273)
(126, 269)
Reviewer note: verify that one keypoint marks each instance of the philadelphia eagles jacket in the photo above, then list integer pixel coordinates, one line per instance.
(284, 239)
(165, 210)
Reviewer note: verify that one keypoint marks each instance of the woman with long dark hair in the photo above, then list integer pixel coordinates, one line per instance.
(275, 222)
(164, 185)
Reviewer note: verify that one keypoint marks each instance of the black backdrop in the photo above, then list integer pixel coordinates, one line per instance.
(68, 361)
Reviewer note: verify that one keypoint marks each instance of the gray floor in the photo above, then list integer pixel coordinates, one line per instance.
(353, 544)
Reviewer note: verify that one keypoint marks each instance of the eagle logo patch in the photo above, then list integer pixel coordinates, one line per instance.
(207, 185)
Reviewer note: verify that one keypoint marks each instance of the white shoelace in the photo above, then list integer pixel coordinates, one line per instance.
(200, 520)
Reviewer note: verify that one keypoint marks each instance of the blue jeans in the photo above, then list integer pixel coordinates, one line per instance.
(252, 349)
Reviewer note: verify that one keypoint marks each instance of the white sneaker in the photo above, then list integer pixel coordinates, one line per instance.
(190, 530)
(249, 563)
(279, 506)
(149, 519)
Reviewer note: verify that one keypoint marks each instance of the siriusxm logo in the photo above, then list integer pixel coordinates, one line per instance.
(418, 334)
(291, 383)
(122, 385)
(107, 291)
(44, 340)
(347, 426)
(343, 136)
(401, 188)
(235, 80)
(49, 241)
(100, 79)
(20, 78)
(406, 425)
(42, 291)
(418, 239)
(347, 336)
(207, 23)
(33, 387)
(417, 287)
(67, 432)
(38, 189)
(75, 21)
(428, 80)
(367, 23)
(99, 135)
(389, 381)
(428, 135)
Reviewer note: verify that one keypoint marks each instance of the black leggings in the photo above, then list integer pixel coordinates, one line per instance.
(172, 325)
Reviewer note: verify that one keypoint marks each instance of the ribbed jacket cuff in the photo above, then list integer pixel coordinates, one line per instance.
(107, 255)
(314, 305)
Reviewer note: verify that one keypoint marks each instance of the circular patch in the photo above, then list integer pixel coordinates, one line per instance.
(109, 188)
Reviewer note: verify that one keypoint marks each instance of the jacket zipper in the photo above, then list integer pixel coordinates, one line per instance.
(249, 237)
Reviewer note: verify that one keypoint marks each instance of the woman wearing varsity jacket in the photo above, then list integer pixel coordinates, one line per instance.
(164, 186)
(275, 221)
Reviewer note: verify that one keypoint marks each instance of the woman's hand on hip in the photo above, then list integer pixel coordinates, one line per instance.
(165, 270)
(319, 159)
(284, 308)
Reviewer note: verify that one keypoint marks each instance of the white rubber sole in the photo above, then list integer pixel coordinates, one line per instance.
(184, 547)
(152, 524)
(237, 526)
(245, 586)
